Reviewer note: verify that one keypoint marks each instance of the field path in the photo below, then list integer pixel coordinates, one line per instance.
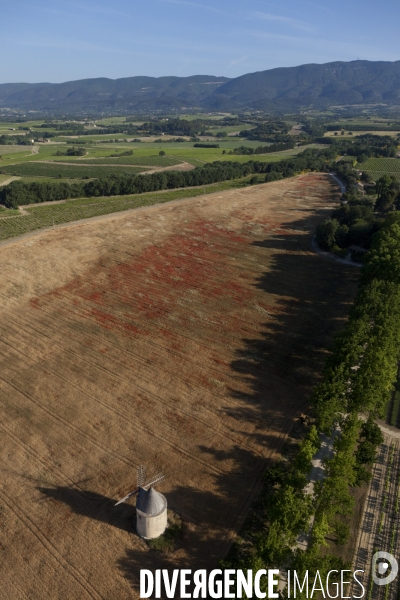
(185, 336)
(9, 180)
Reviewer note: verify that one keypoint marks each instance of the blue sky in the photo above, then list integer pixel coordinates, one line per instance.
(62, 40)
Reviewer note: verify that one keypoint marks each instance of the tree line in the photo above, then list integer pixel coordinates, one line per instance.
(20, 193)
(19, 140)
(359, 378)
(367, 127)
(263, 149)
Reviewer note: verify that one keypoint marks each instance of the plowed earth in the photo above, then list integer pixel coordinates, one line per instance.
(185, 337)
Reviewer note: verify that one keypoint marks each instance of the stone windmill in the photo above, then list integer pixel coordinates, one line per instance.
(151, 506)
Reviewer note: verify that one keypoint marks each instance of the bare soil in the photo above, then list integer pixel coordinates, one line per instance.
(185, 337)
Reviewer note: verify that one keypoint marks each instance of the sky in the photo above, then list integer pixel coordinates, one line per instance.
(64, 40)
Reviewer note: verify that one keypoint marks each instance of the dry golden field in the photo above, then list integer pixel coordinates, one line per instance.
(185, 337)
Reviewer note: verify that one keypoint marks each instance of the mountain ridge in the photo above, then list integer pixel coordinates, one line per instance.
(309, 85)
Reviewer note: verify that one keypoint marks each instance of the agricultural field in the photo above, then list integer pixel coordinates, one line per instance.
(42, 161)
(185, 337)
(49, 214)
(73, 171)
(379, 528)
(11, 149)
(377, 167)
(99, 157)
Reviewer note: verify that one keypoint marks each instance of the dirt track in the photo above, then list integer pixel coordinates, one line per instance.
(185, 337)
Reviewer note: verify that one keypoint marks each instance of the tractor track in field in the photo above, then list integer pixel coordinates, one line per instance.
(61, 561)
(183, 336)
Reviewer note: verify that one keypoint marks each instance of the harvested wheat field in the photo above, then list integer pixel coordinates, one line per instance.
(185, 337)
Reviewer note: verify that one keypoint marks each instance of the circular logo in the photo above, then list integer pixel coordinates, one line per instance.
(384, 568)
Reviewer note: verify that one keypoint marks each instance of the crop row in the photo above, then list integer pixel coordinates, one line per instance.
(382, 165)
(72, 171)
(39, 217)
(136, 159)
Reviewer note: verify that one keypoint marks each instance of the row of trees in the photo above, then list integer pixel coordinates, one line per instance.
(19, 140)
(286, 510)
(358, 378)
(263, 149)
(366, 127)
(20, 193)
(360, 373)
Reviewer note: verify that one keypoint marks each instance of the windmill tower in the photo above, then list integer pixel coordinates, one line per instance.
(151, 506)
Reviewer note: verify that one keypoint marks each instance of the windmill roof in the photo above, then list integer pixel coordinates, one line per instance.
(150, 502)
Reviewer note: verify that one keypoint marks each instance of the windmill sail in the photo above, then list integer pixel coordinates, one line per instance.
(141, 476)
(127, 497)
(157, 479)
(141, 473)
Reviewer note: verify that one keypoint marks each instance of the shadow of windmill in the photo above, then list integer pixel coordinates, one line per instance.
(94, 506)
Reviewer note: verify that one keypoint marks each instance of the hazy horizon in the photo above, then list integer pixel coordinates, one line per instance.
(69, 41)
(171, 75)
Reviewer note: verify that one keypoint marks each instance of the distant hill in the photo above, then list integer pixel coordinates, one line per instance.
(313, 85)
(138, 93)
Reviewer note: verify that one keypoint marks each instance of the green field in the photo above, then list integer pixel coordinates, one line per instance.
(44, 165)
(146, 154)
(7, 156)
(148, 161)
(37, 169)
(8, 212)
(39, 217)
(377, 167)
(43, 153)
(8, 149)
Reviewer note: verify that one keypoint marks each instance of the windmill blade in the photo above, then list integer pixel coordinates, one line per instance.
(141, 476)
(127, 497)
(157, 479)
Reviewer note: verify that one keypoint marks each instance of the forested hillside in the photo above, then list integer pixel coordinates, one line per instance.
(275, 89)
